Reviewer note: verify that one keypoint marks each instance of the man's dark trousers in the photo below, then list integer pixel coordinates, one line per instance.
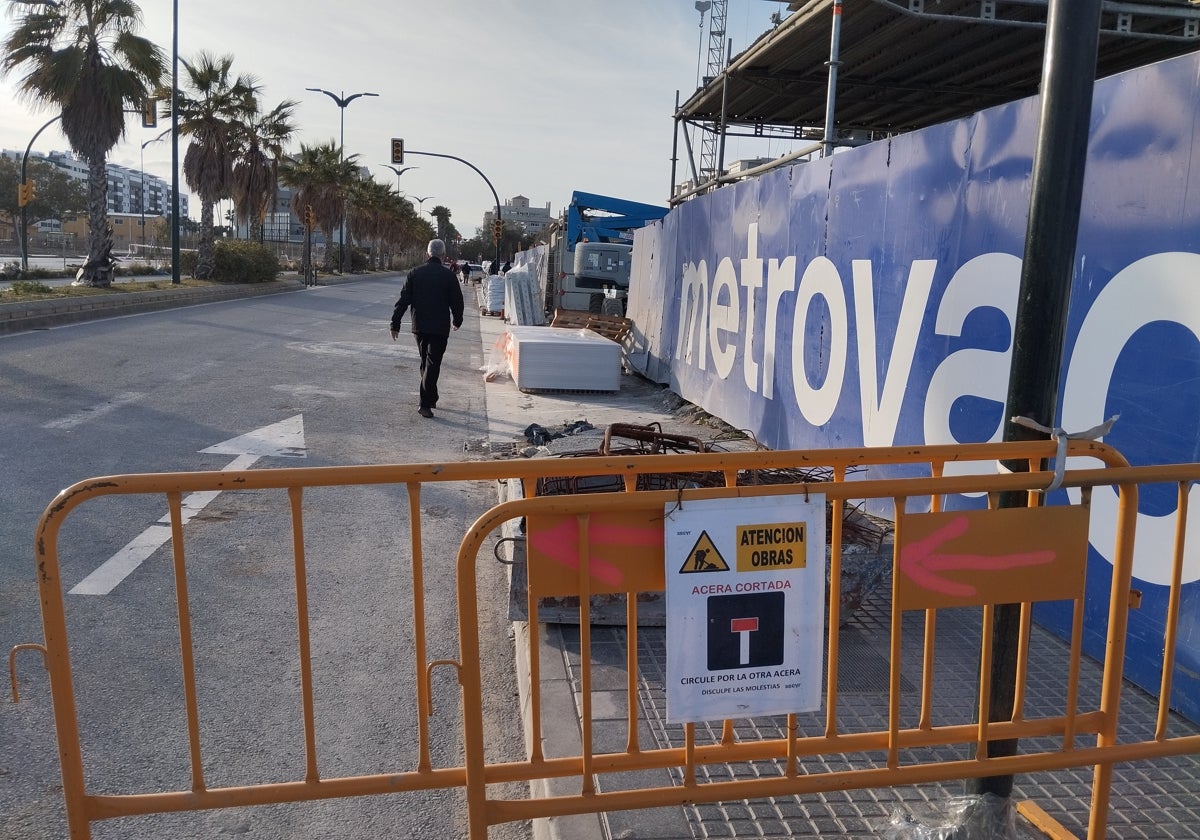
(431, 347)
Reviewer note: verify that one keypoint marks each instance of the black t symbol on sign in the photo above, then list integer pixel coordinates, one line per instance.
(745, 631)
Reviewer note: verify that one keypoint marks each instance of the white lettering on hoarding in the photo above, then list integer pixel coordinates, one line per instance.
(988, 281)
(752, 280)
(724, 318)
(1155, 288)
(1158, 288)
(881, 412)
(781, 279)
(821, 279)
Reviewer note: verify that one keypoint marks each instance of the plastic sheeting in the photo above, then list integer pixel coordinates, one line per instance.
(493, 294)
(522, 297)
(987, 817)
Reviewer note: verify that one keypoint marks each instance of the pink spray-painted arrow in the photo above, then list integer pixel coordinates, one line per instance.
(921, 562)
(560, 543)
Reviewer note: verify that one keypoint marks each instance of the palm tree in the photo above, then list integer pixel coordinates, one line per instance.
(320, 178)
(374, 211)
(83, 58)
(446, 231)
(258, 141)
(209, 111)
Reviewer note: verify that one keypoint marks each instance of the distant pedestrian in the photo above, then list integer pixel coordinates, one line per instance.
(466, 272)
(436, 300)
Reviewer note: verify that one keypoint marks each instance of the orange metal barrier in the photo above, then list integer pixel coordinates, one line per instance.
(900, 753)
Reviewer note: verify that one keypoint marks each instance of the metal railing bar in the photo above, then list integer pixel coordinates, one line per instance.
(1172, 629)
(535, 680)
(186, 650)
(882, 777)
(982, 714)
(632, 741)
(421, 672)
(1074, 666)
(585, 652)
(111, 806)
(303, 634)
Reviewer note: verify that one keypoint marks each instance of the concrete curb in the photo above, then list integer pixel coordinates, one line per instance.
(40, 314)
(561, 734)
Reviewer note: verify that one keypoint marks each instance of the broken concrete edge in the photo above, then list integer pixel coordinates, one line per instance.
(40, 314)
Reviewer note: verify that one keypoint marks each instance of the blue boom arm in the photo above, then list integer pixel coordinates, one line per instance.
(624, 216)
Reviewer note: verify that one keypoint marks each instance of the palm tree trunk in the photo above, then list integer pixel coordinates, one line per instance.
(332, 250)
(205, 258)
(98, 269)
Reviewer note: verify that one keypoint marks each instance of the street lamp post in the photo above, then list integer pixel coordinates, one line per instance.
(25, 161)
(142, 202)
(24, 180)
(398, 172)
(342, 101)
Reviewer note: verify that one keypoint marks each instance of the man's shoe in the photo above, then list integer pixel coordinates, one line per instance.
(425, 412)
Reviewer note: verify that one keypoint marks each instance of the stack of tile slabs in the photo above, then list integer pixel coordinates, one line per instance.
(558, 359)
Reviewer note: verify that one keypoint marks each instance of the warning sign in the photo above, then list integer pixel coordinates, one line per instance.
(763, 548)
(746, 639)
(704, 557)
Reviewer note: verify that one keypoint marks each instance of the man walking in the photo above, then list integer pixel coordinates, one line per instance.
(433, 294)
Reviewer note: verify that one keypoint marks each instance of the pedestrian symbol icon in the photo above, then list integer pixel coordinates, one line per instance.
(745, 631)
(704, 557)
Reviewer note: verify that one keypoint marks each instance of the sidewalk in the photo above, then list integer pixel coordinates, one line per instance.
(1159, 799)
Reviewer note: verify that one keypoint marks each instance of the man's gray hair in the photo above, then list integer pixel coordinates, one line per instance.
(437, 248)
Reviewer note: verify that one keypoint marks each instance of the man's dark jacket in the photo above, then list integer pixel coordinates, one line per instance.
(433, 294)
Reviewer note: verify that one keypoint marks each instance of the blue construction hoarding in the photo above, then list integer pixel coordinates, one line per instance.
(867, 299)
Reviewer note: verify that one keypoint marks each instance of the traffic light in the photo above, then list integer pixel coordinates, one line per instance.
(309, 216)
(25, 193)
(397, 150)
(497, 230)
(149, 113)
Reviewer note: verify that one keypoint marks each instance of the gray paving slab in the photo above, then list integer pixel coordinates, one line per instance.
(1150, 799)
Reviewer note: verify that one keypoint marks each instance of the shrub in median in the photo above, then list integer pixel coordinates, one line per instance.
(240, 261)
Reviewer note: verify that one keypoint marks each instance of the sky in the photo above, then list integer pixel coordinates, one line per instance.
(545, 97)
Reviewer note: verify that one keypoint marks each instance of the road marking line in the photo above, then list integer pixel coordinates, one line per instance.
(96, 411)
(138, 550)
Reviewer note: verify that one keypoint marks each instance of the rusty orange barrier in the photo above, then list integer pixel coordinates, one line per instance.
(900, 752)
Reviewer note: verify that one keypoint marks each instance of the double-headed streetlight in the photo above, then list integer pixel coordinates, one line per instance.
(421, 206)
(399, 172)
(342, 101)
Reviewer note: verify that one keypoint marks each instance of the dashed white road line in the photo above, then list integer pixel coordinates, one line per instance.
(98, 410)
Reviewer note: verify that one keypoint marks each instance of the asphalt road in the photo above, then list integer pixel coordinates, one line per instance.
(150, 393)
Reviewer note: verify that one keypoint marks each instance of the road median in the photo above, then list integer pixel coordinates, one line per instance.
(20, 316)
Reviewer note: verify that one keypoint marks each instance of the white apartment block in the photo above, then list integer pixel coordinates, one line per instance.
(516, 211)
(129, 190)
